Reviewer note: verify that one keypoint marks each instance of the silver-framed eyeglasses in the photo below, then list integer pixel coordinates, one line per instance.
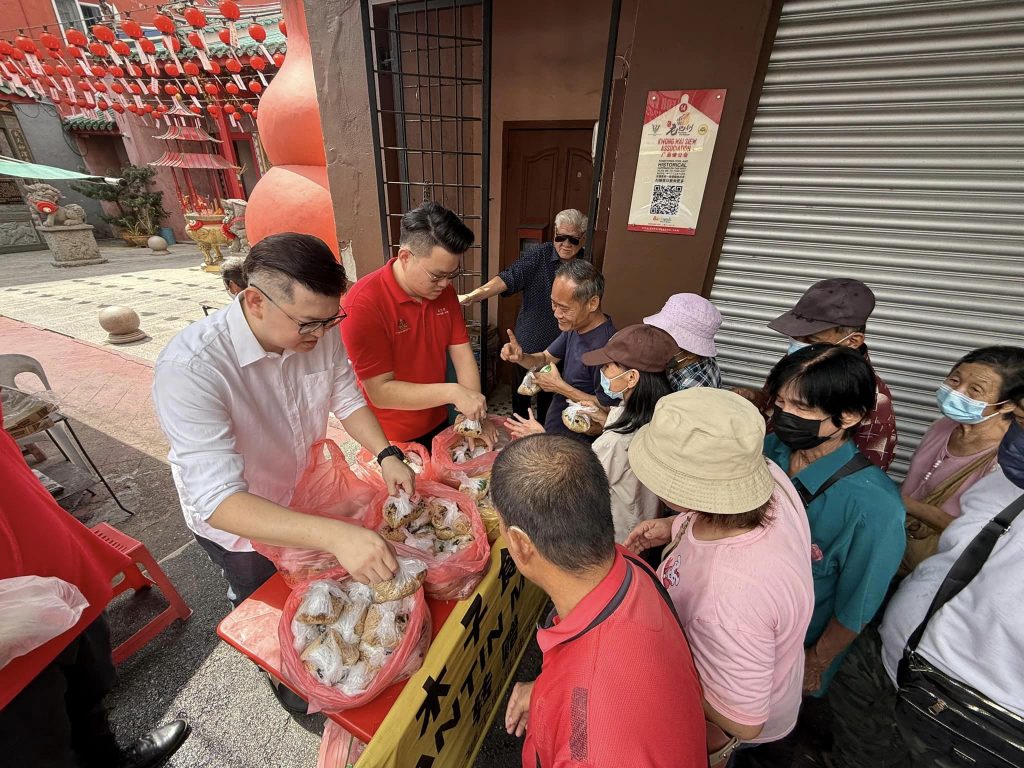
(309, 326)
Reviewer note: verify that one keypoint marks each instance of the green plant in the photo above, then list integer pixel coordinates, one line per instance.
(140, 211)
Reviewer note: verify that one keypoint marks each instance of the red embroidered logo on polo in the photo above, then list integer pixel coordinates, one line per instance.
(402, 325)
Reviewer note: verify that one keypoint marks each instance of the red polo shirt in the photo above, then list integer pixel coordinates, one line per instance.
(389, 331)
(38, 538)
(617, 687)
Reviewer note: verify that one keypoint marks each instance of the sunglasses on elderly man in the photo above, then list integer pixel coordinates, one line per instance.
(570, 238)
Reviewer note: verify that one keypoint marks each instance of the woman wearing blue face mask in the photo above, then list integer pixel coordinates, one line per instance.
(960, 448)
(633, 364)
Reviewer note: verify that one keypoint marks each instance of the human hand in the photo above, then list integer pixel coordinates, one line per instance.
(470, 403)
(520, 427)
(513, 351)
(364, 554)
(813, 669)
(650, 533)
(398, 475)
(548, 378)
(488, 435)
(517, 713)
(465, 298)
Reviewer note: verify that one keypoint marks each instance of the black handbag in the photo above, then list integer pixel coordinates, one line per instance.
(942, 716)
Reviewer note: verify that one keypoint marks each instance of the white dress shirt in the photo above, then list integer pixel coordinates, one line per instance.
(239, 418)
(978, 636)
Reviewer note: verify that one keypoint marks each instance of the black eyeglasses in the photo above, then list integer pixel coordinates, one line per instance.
(570, 238)
(449, 276)
(312, 326)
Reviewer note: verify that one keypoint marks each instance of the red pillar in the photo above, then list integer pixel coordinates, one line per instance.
(227, 150)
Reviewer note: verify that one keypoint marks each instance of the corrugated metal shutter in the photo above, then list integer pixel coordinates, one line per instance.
(888, 146)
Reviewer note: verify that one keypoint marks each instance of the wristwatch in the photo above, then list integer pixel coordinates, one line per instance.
(391, 450)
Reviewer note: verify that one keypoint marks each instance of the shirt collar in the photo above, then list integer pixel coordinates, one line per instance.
(607, 319)
(815, 475)
(247, 347)
(553, 252)
(397, 294)
(586, 611)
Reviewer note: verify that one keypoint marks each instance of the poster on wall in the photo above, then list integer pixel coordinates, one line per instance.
(676, 147)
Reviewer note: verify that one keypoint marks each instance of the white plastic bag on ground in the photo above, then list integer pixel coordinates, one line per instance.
(33, 611)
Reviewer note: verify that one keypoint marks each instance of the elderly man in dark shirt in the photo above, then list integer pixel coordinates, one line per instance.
(533, 274)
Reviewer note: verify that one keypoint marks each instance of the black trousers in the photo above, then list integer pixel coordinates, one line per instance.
(58, 720)
(521, 402)
(245, 571)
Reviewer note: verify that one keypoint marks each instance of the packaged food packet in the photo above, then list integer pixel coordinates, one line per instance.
(576, 416)
(406, 581)
(322, 604)
(398, 509)
(529, 387)
(350, 624)
(468, 427)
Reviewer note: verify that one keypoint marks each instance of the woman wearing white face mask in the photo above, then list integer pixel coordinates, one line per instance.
(960, 448)
(633, 366)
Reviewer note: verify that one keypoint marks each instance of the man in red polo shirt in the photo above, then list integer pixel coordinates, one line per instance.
(618, 686)
(51, 698)
(405, 320)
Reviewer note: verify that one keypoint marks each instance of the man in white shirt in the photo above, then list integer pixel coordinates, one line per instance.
(243, 394)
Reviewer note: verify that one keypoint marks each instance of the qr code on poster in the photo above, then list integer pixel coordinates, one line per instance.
(665, 201)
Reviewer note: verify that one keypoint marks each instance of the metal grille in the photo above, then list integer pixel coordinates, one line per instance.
(887, 147)
(428, 71)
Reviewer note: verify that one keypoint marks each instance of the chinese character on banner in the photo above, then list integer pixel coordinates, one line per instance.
(676, 147)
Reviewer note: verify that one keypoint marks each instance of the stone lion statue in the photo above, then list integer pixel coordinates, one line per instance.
(234, 221)
(42, 201)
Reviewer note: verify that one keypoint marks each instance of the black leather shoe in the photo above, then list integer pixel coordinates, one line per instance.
(156, 747)
(287, 698)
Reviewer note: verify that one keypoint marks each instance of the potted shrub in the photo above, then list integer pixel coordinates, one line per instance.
(140, 211)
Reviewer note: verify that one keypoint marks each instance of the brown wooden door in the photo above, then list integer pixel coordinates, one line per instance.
(548, 168)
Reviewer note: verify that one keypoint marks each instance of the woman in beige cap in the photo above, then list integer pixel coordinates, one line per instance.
(633, 366)
(738, 564)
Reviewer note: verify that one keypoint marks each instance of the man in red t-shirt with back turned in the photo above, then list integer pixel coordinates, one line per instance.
(405, 320)
(617, 688)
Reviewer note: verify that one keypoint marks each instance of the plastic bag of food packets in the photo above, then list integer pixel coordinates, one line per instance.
(451, 459)
(328, 488)
(416, 456)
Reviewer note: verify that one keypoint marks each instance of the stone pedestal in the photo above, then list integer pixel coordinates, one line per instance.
(73, 246)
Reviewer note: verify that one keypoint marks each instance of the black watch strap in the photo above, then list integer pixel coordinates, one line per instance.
(391, 450)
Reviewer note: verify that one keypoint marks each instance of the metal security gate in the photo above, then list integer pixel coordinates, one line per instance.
(428, 72)
(888, 146)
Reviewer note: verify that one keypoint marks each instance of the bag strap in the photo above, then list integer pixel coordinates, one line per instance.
(968, 565)
(952, 484)
(855, 464)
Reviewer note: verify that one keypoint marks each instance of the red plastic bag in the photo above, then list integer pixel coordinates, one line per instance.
(338, 747)
(403, 661)
(450, 472)
(328, 488)
(457, 575)
(367, 468)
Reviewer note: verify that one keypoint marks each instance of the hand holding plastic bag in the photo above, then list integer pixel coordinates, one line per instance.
(33, 611)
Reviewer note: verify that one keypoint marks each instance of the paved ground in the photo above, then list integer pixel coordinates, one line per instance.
(50, 314)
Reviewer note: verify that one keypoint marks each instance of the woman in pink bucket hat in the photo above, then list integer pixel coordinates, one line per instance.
(692, 321)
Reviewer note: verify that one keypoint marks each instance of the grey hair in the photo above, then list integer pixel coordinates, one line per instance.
(233, 269)
(572, 220)
(588, 281)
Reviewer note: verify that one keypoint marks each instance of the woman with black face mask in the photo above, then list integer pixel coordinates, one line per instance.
(855, 512)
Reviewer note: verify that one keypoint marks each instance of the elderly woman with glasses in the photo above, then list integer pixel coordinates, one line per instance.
(533, 275)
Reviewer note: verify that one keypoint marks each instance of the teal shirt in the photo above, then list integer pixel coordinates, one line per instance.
(857, 540)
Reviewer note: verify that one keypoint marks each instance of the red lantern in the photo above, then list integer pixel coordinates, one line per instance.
(196, 41)
(255, 86)
(161, 108)
(229, 10)
(154, 89)
(99, 86)
(148, 108)
(98, 71)
(248, 108)
(49, 70)
(135, 88)
(283, 27)
(78, 70)
(153, 70)
(171, 70)
(191, 68)
(133, 109)
(278, 60)
(50, 41)
(257, 33)
(103, 34)
(119, 108)
(175, 44)
(232, 89)
(255, 114)
(196, 109)
(134, 69)
(116, 71)
(214, 67)
(147, 46)
(190, 89)
(213, 109)
(117, 88)
(6, 49)
(225, 36)
(211, 88)
(25, 44)
(233, 66)
(258, 63)
(75, 53)
(102, 105)
(63, 70)
(81, 102)
(195, 17)
(121, 48)
(99, 50)
(76, 37)
(229, 109)
(132, 28)
(83, 85)
(163, 24)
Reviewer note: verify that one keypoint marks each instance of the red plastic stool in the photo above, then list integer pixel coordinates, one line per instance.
(135, 580)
